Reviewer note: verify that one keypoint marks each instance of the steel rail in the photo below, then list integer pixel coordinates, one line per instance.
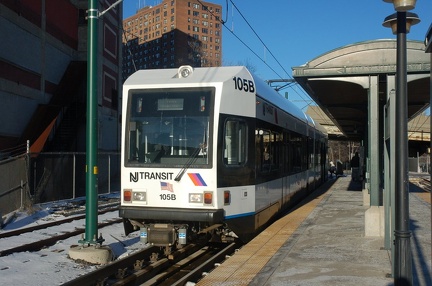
(38, 245)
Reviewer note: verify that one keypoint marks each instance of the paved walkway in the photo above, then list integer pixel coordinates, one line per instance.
(328, 246)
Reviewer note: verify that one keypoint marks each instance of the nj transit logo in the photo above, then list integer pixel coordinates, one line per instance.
(197, 179)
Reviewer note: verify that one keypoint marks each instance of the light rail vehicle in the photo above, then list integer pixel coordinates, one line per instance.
(212, 152)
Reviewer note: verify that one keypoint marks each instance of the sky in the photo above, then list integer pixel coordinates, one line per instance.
(290, 33)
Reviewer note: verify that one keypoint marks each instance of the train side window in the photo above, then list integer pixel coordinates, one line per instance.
(296, 152)
(269, 147)
(235, 142)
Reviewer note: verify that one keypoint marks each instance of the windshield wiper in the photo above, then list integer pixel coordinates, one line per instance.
(186, 166)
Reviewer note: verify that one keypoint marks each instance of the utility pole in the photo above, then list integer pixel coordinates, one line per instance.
(91, 235)
(98, 254)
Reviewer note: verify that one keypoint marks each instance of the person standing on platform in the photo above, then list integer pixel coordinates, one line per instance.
(332, 169)
(355, 164)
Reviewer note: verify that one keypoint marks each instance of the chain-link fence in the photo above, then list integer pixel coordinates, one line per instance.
(45, 177)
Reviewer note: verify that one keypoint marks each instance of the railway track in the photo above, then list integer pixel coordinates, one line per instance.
(50, 224)
(423, 183)
(49, 233)
(146, 268)
(48, 237)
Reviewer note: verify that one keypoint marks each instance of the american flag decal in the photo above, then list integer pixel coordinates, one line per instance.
(197, 179)
(166, 187)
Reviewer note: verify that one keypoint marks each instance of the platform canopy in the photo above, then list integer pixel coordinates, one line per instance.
(338, 81)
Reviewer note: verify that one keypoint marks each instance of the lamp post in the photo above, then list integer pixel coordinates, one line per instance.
(400, 24)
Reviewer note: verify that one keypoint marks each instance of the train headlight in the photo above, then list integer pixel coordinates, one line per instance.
(195, 198)
(198, 198)
(139, 196)
(184, 71)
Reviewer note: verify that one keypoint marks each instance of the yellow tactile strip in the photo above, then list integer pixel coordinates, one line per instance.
(424, 196)
(243, 266)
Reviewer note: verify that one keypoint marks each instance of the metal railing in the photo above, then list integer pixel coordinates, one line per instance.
(14, 192)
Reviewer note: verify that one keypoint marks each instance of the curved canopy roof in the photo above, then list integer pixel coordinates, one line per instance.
(338, 81)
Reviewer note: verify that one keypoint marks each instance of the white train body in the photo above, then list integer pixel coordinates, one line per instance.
(212, 150)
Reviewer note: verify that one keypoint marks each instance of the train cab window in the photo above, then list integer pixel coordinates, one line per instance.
(235, 142)
(169, 127)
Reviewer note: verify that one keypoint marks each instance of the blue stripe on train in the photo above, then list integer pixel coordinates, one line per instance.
(239, 215)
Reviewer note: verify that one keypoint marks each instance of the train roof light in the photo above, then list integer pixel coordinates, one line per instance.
(184, 71)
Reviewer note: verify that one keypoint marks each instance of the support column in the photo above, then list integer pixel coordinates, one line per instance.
(374, 216)
(374, 141)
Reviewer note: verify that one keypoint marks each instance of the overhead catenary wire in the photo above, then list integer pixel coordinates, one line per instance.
(307, 100)
(128, 48)
(259, 38)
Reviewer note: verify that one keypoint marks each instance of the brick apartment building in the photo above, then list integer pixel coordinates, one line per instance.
(171, 34)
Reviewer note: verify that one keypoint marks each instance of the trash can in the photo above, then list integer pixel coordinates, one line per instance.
(339, 168)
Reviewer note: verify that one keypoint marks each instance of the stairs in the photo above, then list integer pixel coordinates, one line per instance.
(68, 105)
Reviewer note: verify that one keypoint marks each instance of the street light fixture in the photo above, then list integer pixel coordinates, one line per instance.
(401, 24)
(391, 22)
(402, 5)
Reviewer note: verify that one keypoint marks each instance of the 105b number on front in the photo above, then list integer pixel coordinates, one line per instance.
(168, 197)
(243, 84)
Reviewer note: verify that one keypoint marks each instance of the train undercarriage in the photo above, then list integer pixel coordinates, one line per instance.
(176, 235)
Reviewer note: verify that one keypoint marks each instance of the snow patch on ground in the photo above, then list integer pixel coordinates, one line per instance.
(52, 265)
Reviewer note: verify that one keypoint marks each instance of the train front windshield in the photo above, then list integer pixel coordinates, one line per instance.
(169, 127)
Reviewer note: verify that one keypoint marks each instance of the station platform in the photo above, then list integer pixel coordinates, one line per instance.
(323, 242)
